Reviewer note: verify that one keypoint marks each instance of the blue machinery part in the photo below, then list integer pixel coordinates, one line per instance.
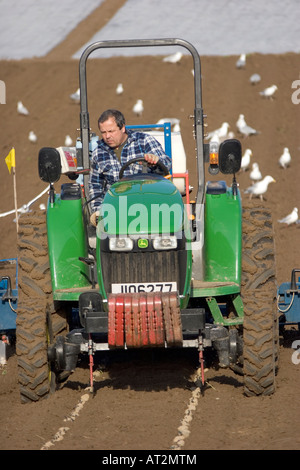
(288, 300)
(8, 302)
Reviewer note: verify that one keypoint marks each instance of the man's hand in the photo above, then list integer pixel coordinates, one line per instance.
(150, 158)
(94, 218)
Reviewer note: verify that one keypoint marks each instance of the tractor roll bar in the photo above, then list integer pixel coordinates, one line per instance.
(198, 111)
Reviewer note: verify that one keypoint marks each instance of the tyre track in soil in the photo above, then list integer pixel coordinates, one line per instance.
(142, 401)
(166, 426)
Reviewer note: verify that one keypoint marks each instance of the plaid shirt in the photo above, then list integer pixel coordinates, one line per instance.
(105, 166)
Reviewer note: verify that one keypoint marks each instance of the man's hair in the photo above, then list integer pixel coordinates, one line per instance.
(114, 113)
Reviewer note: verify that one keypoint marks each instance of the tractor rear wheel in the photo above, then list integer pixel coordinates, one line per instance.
(39, 320)
(260, 328)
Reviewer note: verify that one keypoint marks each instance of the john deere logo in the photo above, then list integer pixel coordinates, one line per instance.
(142, 243)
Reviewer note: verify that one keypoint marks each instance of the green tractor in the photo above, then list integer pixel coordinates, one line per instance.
(156, 272)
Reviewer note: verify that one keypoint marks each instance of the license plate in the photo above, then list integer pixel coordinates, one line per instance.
(132, 288)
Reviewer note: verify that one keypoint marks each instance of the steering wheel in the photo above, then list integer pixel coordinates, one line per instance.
(159, 164)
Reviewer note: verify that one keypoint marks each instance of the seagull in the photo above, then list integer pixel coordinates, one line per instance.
(21, 109)
(241, 62)
(260, 188)
(246, 159)
(243, 128)
(255, 174)
(221, 132)
(241, 121)
(174, 58)
(268, 92)
(68, 141)
(285, 159)
(76, 96)
(32, 137)
(255, 78)
(119, 89)
(291, 218)
(138, 108)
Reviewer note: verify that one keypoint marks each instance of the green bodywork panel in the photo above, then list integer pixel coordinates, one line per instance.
(222, 256)
(67, 242)
(223, 238)
(141, 206)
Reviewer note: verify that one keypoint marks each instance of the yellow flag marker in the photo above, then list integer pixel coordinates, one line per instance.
(10, 160)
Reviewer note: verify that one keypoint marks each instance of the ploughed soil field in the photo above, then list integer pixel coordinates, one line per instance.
(146, 400)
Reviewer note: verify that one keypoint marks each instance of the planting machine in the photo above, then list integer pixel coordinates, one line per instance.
(159, 271)
(8, 304)
(288, 302)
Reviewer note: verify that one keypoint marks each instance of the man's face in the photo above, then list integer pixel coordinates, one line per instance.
(111, 134)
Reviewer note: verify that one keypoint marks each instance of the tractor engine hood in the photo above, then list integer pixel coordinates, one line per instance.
(144, 205)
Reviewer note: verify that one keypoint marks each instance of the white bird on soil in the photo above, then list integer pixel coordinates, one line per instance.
(119, 89)
(76, 96)
(260, 188)
(22, 109)
(241, 62)
(255, 174)
(174, 58)
(290, 218)
(246, 159)
(255, 78)
(221, 132)
(241, 121)
(138, 108)
(269, 91)
(68, 141)
(243, 127)
(285, 159)
(32, 137)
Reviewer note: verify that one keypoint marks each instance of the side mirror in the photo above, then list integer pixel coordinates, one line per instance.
(49, 165)
(230, 156)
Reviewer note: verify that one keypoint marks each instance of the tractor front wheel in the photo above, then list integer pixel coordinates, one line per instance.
(260, 327)
(39, 320)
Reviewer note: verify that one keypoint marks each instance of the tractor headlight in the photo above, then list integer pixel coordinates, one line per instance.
(167, 242)
(120, 244)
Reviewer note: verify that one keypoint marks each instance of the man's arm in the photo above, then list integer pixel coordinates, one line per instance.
(96, 188)
(103, 173)
(97, 185)
(154, 149)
